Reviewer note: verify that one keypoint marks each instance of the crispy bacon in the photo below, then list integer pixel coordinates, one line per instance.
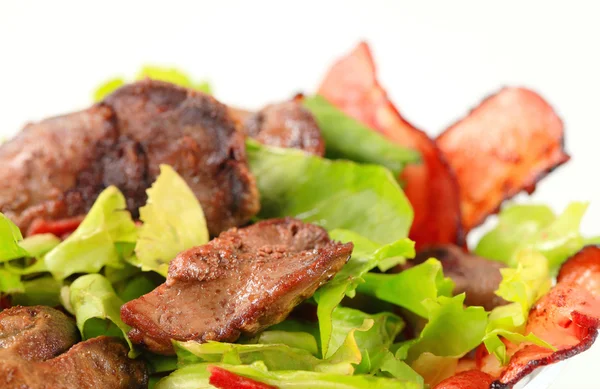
(505, 145)
(224, 379)
(431, 187)
(56, 227)
(567, 317)
(470, 379)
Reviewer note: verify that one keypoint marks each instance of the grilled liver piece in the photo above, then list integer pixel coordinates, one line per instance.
(239, 283)
(33, 354)
(56, 168)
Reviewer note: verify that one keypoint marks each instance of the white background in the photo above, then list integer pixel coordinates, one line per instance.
(437, 59)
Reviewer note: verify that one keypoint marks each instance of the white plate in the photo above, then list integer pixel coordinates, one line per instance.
(437, 59)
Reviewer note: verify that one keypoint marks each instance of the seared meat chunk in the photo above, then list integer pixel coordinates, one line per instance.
(196, 135)
(36, 353)
(477, 277)
(36, 333)
(286, 124)
(55, 169)
(239, 283)
(98, 363)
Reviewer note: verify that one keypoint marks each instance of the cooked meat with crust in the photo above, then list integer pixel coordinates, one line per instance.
(36, 333)
(98, 363)
(286, 124)
(196, 135)
(36, 353)
(55, 169)
(239, 283)
(478, 277)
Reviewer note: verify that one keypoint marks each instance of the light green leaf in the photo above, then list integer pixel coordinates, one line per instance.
(172, 75)
(535, 227)
(10, 282)
(39, 291)
(97, 308)
(366, 256)
(347, 138)
(38, 245)
(196, 377)
(411, 287)
(93, 244)
(365, 199)
(10, 236)
(301, 340)
(173, 222)
(107, 88)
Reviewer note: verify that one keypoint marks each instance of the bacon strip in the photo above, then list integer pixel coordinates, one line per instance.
(224, 379)
(568, 317)
(56, 227)
(505, 145)
(351, 85)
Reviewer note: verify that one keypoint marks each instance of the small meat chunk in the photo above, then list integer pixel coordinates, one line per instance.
(477, 277)
(196, 135)
(55, 169)
(36, 353)
(36, 333)
(239, 283)
(286, 124)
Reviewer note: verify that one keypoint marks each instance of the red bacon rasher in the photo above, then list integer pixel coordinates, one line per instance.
(505, 145)
(567, 317)
(224, 379)
(351, 85)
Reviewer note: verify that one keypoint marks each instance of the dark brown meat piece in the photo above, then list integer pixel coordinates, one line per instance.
(239, 283)
(477, 277)
(55, 169)
(286, 124)
(36, 353)
(196, 135)
(98, 363)
(36, 333)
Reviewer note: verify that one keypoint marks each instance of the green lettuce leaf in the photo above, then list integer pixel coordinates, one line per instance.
(522, 286)
(10, 282)
(108, 87)
(348, 138)
(452, 330)
(10, 236)
(173, 222)
(97, 308)
(411, 287)
(39, 291)
(300, 339)
(535, 227)
(365, 199)
(95, 243)
(366, 256)
(38, 245)
(196, 377)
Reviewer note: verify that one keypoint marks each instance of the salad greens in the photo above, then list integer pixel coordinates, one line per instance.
(535, 227)
(348, 138)
(169, 226)
(365, 199)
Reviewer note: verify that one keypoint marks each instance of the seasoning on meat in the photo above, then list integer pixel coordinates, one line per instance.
(55, 169)
(239, 283)
(286, 124)
(33, 354)
(478, 277)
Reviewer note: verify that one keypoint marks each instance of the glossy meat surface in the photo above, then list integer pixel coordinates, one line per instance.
(239, 283)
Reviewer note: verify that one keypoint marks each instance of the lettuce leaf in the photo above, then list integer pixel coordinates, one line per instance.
(535, 227)
(96, 242)
(97, 308)
(522, 286)
(411, 287)
(365, 199)
(39, 291)
(366, 256)
(299, 339)
(196, 377)
(107, 87)
(10, 282)
(38, 245)
(10, 236)
(173, 222)
(452, 330)
(347, 138)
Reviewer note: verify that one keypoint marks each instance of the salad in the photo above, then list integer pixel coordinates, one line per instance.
(163, 239)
